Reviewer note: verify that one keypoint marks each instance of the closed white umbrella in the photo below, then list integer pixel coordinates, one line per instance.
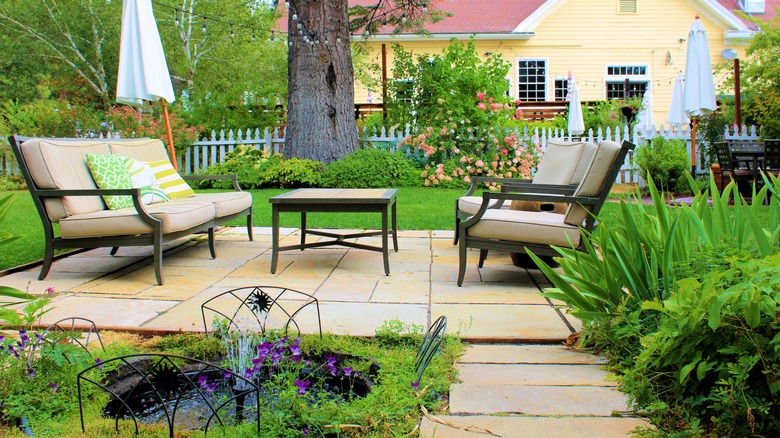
(677, 115)
(645, 116)
(143, 76)
(699, 95)
(576, 123)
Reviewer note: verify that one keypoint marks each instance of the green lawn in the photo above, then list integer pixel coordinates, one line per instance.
(418, 209)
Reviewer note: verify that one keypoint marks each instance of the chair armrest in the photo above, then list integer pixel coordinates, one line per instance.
(135, 193)
(552, 189)
(503, 197)
(232, 177)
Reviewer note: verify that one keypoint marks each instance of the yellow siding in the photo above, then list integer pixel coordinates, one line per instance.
(584, 36)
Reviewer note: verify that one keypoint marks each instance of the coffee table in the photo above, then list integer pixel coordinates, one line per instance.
(305, 201)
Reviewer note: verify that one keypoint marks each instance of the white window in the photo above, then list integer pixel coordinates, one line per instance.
(561, 88)
(532, 80)
(624, 81)
(627, 6)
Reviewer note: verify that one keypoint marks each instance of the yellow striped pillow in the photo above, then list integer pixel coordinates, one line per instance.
(170, 181)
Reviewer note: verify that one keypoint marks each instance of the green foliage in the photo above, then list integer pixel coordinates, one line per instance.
(683, 301)
(257, 169)
(715, 351)
(762, 95)
(130, 123)
(292, 172)
(664, 160)
(371, 168)
(610, 113)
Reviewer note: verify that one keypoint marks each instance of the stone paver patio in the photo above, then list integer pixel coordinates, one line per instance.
(511, 386)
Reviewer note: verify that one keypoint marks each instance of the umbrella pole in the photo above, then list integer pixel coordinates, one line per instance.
(693, 148)
(170, 135)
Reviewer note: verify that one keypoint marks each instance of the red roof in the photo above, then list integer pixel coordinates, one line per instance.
(503, 16)
(770, 10)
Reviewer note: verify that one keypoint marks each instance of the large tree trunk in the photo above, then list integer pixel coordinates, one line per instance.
(320, 119)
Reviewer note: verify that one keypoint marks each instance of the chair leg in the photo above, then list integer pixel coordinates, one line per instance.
(482, 256)
(249, 228)
(158, 252)
(212, 247)
(462, 259)
(48, 258)
(457, 226)
(114, 250)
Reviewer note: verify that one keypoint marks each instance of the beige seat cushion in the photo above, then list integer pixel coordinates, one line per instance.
(175, 216)
(471, 204)
(525, 227)
(593, 181)
(225, 204)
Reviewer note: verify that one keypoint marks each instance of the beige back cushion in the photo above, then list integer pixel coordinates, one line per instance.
(61, 164)
(593, 181)
(558, 163)
(142, 149)
(561, 164)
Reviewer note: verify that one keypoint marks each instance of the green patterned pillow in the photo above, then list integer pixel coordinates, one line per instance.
(110, 172)
(142, 177)
(169, 179)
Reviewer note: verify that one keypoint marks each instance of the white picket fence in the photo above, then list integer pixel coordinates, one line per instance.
(210, 151)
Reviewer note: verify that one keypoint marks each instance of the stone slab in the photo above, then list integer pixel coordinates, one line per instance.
(493, 322)
(496, 293)
(528, 354)
(536, 400)
(534, 375)
(452, 426)
(362, 319)
(108, 313)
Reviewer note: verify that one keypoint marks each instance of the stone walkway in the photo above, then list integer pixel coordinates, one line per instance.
(517, 378)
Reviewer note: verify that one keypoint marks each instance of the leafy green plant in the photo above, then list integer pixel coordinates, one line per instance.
(371, 168)
(291, 172)
(664, 160)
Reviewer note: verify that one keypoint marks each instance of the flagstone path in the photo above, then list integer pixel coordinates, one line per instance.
(517, 377)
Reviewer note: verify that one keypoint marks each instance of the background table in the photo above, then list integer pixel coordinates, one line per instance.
(305, 201)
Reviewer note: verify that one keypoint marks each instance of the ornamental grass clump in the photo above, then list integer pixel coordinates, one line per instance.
(684, 302)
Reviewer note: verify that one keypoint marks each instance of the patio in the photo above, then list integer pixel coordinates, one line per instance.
(499, 308)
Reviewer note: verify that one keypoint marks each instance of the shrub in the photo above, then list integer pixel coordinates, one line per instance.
(291, 173)
(664, 160)
(371, 168)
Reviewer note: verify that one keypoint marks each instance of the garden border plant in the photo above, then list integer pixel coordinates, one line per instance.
(683, 301)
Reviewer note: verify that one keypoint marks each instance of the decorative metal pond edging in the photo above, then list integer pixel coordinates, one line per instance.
(172, 384)
(260, 308)
(430, 345)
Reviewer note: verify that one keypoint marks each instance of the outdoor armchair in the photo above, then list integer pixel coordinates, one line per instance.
(538, 231)
(560, 169)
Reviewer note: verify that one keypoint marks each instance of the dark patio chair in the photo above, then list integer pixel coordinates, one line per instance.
(520, 231)
(560, 169)
(772, 156)
(728, 166)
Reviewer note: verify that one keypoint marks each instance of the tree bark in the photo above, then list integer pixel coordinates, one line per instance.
(320, 118)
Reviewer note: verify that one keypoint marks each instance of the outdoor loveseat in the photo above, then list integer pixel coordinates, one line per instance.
(161, 209)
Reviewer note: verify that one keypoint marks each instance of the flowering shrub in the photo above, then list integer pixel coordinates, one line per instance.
(130, 123)
(454, 150)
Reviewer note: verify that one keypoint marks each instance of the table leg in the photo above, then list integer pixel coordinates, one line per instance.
(303, 229)
(384, 241)
(395, 228)
(274, 237)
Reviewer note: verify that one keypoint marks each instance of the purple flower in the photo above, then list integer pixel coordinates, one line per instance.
(226, 375)
(202, 381)
(348, 371)
(99, 363)
(2, 338)
(50, 290)
(249, 373)
(14, 352)
(23, 336)
(54, 386)
(31, 372)
(415, 385)
(302, 385)
(331, 364)
(39, 337)
(306, 431)
(296, 352)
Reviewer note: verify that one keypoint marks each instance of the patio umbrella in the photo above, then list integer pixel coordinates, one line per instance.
(143, 76)
(645, 116)
(677, 116)
(699, 94)
(576, 123)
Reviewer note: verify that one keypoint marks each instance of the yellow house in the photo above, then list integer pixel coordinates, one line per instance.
(605, 44)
